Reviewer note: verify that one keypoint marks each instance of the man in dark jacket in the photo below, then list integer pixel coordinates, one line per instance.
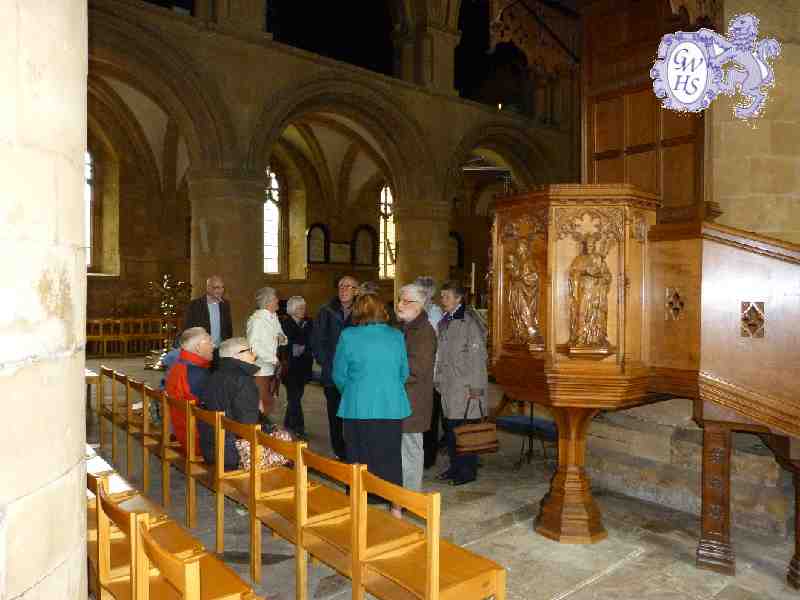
(331, 320)
(211, 312)
(421, 348)
(232, 390)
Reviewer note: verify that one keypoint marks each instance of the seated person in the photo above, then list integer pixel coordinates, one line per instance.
(188, 375)
(232, 389)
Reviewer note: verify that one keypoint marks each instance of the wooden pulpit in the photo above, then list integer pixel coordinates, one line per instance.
(568, 303)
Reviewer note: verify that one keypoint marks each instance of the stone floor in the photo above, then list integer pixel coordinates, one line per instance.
(649, 552)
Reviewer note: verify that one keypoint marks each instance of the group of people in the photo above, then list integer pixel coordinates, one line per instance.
(385, 386)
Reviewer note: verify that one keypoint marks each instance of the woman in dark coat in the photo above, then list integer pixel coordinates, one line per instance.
(297, 328)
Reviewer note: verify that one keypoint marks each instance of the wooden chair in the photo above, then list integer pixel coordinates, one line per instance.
(105, 410)
(152, 434)
(134, 421)
(200, 576)
(114, 554)
(198, 470)
(119, 408)
(172, 452)
(450, 572)
(327, 521)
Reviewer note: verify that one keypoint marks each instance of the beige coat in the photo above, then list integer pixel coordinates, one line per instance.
(263, 330)
(461, 364)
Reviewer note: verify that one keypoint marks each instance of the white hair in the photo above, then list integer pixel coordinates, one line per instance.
(293, 302)
(233, 346)
(192, 337)
(264, 296)
(416, 291)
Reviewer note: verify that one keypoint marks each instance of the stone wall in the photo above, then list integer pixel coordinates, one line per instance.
(753, 168)
(43, 57)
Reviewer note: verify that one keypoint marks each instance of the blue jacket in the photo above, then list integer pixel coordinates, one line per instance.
(370, 369)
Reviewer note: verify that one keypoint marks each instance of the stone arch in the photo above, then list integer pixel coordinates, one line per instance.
(123, 50)
(526, 158)
(399, 136)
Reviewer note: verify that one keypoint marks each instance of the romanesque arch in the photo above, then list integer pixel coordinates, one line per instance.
(119, 48)
(528, 162)
(400, 137)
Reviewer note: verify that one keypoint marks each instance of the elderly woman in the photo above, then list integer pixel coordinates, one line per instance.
(460, 376)
(421, 349)
(264, 334)
(297, 328)
(370, 369)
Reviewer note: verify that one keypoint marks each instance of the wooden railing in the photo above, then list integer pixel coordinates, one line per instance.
(132, 336)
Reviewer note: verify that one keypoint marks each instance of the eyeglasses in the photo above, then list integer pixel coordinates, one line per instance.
(404, 301)
(248, 349)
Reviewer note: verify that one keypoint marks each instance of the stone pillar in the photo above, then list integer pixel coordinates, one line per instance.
(227, 239)
(437, 56)
(753, 168)
(404, 60)
(423, 232)
(43, 69)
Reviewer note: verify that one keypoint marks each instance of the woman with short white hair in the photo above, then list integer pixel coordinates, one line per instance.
(298, 331)
(264, 334)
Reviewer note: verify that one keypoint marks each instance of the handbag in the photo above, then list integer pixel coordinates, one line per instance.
(476, 438)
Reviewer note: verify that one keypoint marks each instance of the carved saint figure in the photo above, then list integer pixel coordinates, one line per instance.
(589, 284)
(523, 295)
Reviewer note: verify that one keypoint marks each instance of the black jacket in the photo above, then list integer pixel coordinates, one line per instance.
(232, 390)
(197, 316)
(298, 335)
(328, 326)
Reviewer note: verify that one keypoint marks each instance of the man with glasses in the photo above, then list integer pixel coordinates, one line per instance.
(332, 318)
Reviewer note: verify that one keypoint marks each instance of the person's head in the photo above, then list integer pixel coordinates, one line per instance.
(368, 309)
(296, 307)
(215, 287)
(237, 348)
(428, 286)
(411, 302)
(452, 295)
(348, 286)
(267, 298)
(197, 341)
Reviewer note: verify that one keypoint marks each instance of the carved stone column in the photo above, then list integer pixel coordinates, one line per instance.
(404, 58)
(793, 575)
(227, 238)
(568, 513)
(437, 51)
(423, 232)
(714, 552)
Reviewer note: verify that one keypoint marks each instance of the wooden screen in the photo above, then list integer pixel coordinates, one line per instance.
(628, 137)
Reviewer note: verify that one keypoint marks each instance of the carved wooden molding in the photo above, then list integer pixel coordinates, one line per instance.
(753, 319)
(774, 412)
(674, 305)
(752, 242)
(609, 221)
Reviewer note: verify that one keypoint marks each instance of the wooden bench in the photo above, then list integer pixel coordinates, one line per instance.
(429, 569)
(129, 336)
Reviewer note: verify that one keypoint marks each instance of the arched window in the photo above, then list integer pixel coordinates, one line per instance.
(387, 244)
(88, 182)
(272, 221)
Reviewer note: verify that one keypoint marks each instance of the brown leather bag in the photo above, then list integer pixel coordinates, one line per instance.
(476, 438)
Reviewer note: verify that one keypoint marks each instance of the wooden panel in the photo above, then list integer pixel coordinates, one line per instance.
(608, 124)
(679, 175)
(609, 171)
(675, 124)
(642, 170)
(640, 118)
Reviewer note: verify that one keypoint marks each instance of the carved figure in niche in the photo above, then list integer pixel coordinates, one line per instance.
(523, 295)
(589, 284)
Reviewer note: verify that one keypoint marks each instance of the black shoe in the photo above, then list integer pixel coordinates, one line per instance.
(461, 481)
(444, 475)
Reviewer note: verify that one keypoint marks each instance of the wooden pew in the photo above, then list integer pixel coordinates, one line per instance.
(450, 572)
(327, 520)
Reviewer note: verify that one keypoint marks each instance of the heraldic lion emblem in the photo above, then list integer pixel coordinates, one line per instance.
(688, 72)
(751, 57)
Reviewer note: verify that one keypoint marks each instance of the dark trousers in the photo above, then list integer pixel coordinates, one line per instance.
(294, 419)
(463, 467)
(333, 397)
(377, 444)
(430, 439)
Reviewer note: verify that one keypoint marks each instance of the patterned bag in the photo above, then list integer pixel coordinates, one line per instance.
(269, 458)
